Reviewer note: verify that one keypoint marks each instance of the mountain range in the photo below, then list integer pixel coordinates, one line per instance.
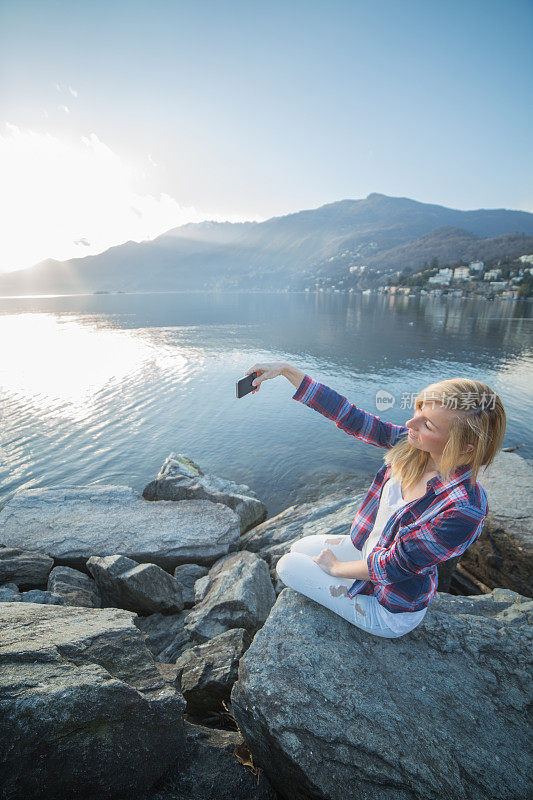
(290, 251)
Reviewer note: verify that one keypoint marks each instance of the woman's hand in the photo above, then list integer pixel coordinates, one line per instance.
(327, 561)
(265, 371)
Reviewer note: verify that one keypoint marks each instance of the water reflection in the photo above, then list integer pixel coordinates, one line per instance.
(99, 389)
(66, 362)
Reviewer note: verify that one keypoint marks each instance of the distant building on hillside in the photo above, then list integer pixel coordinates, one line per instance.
(526, 259)
(492, 274)
(477, 265)
(461, 273)
(443, 276)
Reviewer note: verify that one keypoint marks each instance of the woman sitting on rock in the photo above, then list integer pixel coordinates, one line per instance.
(424, 505)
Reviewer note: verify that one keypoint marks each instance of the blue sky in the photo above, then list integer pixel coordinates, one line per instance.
(246, 110)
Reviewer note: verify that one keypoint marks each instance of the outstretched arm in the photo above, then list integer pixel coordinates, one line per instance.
(347, 416)
(294, 375)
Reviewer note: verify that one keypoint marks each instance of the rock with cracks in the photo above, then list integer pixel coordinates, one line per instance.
(440, 712)
(181, 479)
(84, 712)
(239, 594)
(73, 523)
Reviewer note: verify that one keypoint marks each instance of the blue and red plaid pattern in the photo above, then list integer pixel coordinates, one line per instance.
(418, 536)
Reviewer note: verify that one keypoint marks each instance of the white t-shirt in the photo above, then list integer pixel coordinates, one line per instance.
(391, 500)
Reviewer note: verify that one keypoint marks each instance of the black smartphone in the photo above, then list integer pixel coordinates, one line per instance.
(244, 386)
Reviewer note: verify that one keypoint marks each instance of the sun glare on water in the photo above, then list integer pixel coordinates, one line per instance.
(68, 361)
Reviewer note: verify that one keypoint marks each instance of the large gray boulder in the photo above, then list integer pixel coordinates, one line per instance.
(72, 523)
(84, 712)
(440, 712)
(239, 594)
(503, 554)
(332, 514)
(181, 479)
(26, 568)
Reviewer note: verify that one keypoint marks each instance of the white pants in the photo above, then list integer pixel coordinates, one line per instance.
(298, 571)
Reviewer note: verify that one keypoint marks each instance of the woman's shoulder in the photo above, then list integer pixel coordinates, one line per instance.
(470, 496)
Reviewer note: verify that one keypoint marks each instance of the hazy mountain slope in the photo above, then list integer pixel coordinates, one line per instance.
(450, 245)
(382, 231)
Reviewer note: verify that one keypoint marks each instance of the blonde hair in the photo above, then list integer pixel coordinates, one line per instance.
(478, 419)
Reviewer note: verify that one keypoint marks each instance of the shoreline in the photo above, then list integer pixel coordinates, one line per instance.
(365, 292)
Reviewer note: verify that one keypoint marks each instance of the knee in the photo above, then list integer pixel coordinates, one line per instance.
(303, 545)
(284, 568)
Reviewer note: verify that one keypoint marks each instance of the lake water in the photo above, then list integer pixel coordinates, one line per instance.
(99, 389)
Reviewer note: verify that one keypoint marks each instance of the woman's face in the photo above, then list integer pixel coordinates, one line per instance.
(429, 428)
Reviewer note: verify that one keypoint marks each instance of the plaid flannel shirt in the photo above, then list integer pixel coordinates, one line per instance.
(418, 536)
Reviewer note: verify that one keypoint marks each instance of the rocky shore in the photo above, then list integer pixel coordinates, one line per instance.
(148, 651)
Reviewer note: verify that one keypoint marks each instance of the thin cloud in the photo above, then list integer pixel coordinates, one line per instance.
(66, 109)
(69, 89)
(54, 188)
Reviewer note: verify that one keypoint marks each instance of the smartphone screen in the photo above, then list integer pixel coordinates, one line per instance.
(244, 386)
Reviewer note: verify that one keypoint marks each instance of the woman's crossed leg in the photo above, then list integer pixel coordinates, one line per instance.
(298, 571)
